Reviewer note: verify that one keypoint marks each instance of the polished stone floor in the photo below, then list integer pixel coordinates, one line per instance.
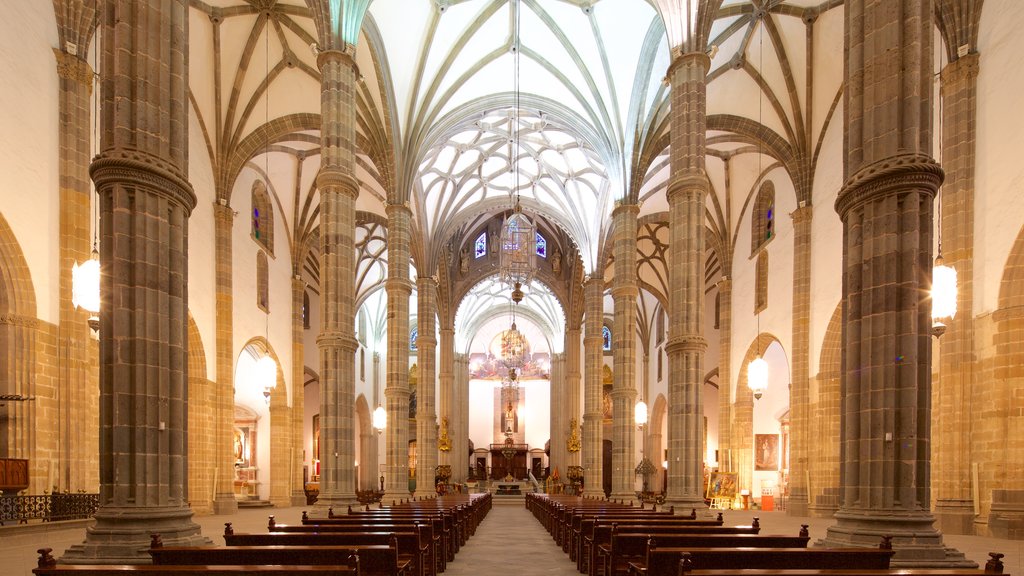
(508, 540)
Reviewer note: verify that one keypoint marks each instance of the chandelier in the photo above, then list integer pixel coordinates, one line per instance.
(513, 347)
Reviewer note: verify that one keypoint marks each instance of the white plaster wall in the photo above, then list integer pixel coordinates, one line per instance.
(311, 407)
(29, 147)
(202, 257)
(249, 320)
(253, 399)
(999, 203)
(537, 417)
(310, 351)
(826, 236)
(711, 417)
(770, 409)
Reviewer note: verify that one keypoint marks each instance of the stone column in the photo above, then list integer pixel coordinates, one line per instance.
(954, 508)
(573, 409)
(593, 436)
(446, 382)
(338, 192)
(224, 501)
(686, 197)
(799, 395)
(281, 427)
(145, 203)
(625, 292)
(298, 377)
(885, 205)
(426, 415)
(399, 287)
(375, 374)
(725, 384)
(77, 383)
(460, 430)
(559, 423)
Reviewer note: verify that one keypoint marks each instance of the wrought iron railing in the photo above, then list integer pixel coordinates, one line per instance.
(48, 507)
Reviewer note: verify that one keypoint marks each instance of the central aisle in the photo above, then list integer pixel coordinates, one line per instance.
(510, 540)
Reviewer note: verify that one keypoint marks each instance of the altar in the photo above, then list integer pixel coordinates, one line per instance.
(502, 466)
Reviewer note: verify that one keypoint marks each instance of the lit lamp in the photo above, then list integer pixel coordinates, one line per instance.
(944, 293)
(380, 419)
(640, 414)
(85, 287)
(757, 376)
(266, 375)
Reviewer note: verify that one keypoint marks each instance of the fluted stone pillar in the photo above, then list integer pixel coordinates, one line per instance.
(426, 415)
(954, 507)
(687, 191)
(885, 205)
(799, 394)
(593, 435)
(625, 292)
(446, 383)
(396, 393)
(573, 406)
(338, 192)
(460, 403)
(298, 377)
(559, 422)
(224, 501)
(145, 202)
(77, 382)
(725, 385)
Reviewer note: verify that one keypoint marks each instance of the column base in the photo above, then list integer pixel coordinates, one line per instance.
(298, 498)
(390, 498)
(625, 497)
(825, 504)
(686, 504)
(955, 516)
(914, 538)
(225, 504)
(1006, 518)
(797, 505)
(122, 535)
(594, 493)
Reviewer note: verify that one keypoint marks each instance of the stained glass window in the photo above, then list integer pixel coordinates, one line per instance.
(542, 246)
(412, 338)
(480, 247)
(606, 337)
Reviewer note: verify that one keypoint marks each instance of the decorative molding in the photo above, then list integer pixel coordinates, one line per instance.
(889, 176)
(135, 168)
(74, 68)
(16, 320)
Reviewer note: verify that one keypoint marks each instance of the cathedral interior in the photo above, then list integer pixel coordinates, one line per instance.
(719, 219)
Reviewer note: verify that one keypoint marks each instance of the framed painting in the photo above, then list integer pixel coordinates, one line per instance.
(766, 452)
(722, 485)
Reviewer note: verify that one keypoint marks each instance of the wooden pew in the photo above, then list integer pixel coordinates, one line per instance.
(666, 561)
(409, 560)
(994, 566)
(588, 524)
(47, 566)
(614, 558)
(445, 523)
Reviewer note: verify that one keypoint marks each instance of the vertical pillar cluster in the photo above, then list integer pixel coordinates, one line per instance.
(460, 402)
(799, 399)
(446, 384)
(559, 423)
(224, 501)
(297, 494)
(338, 192)
(625, 292)
(426, 415)
(396, 393)
(593, 435)
(725, 390)
(687, 191)
(145, 203)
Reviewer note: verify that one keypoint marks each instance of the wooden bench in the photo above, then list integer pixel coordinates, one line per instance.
(47, 566)
(444, 524)
(589, 525)
(615, 556)
(667, 561)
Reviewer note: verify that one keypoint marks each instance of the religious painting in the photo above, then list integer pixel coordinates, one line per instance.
(606, 402)
(316, 447)
(506, 420)
(766, 452)
(722, 485)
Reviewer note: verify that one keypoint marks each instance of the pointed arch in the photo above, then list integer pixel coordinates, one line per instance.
(18, 326)
(366, 454)
(823, 492)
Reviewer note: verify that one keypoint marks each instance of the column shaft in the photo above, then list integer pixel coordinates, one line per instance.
(593, 435)
(426, 415)
(399, 287)
(224, 501)
(624, 291)
(559, 423)
(460, 402)
(799, 398)
(298, 378)
(573, 409)
(446, 383)
(725, 385)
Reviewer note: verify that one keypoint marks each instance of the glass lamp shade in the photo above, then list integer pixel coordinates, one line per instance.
(943, 290)
(85, 284)
(266, 373)
(517, 259)
(640, 413)
(757, 376)
(380, 419)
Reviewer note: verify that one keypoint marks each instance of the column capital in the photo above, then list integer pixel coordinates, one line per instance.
(889, 176)
(803, 214)
(688, 60)
(346, 56)
(689, 182)
(74, 68)
(625, 290)
(398, 286)
(426, 282)
(337, 340)
(120, 167)
(397, 208)
(959, 70)
(332, 178)
(223, 213)
(625, 208)
(685, 343)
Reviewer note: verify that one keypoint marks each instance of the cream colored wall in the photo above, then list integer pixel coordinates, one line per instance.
(28, 146)
(202, 301)
(999, 202)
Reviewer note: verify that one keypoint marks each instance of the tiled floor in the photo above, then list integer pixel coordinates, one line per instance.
(508, 540)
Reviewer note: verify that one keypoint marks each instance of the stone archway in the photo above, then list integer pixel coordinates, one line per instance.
(366, 456)
(823, 492)
(743, 416)
(657, 442)
(202, 436)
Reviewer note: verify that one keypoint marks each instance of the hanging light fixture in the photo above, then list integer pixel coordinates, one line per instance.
(513, 347)
(266, 375)
(757, 370)
(85, 277)
(380, 419)
(518, 243)
(640, 414)
(266, 367)
(944, 289)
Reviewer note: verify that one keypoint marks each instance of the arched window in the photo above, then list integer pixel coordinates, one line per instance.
(262, 217)
(606, 339)
(262, 282)
(761, 283)
(762, 221)
(480, 246)
(305, 310)
(412, 338)
(542, 246)
(718, 310)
